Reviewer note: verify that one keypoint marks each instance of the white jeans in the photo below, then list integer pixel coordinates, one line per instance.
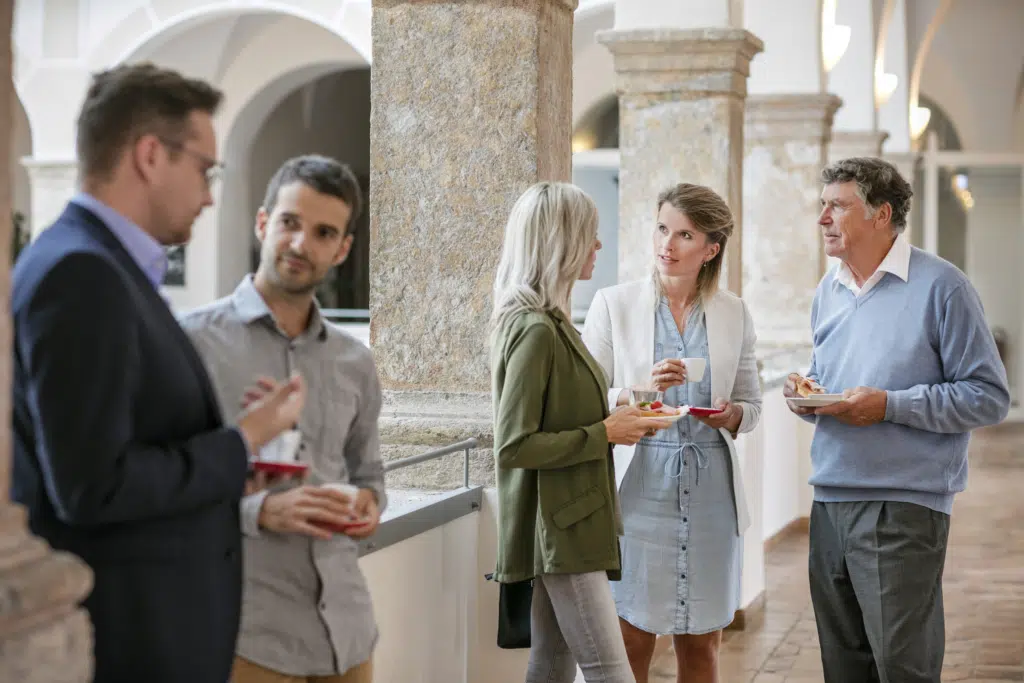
(573, 620)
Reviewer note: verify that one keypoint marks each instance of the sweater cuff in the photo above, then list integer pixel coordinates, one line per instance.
(250, 513)
(895, 406)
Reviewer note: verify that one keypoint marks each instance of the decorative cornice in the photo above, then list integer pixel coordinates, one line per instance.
(848, 143)
(569, 5)
(697, 62)
(790, 117)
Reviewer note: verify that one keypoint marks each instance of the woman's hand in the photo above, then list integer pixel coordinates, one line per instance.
(729, 418)
(625, 426)
(668, 373)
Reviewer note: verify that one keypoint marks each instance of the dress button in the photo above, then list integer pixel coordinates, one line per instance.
(684, 547)
(686, 519)
(686, 492)
(323, 605)
(682, 576)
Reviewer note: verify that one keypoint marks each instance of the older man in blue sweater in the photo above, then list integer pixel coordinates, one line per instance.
(902, 334)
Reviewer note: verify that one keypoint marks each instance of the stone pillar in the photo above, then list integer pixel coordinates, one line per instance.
(849, 143)
(44, 637)
(786, 146)
(681, 95)
(471, 104)
(53, 183)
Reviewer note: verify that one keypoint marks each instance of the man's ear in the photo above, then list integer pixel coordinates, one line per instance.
(260, 229)
(884, 213)
(344, 250)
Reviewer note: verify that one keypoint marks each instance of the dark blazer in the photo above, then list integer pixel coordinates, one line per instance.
(121, 456)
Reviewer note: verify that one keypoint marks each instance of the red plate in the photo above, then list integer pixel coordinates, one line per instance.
(343, 528)
(271, 467)
(705, 412)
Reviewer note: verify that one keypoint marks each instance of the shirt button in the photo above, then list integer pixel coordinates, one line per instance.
(682, 576)
(684, 547)
(686, 492)
(686, 519)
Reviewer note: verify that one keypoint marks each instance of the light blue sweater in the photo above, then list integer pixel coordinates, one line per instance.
(926, 342)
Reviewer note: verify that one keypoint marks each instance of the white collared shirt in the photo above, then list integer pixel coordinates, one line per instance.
(897, 262)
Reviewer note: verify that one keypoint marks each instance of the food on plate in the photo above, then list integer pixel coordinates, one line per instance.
(656, 409)
(807, 387)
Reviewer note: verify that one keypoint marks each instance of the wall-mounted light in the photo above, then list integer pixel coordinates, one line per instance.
(963, 195)
(885, 86)
(583, 142)
(835, 38)
(919, 118)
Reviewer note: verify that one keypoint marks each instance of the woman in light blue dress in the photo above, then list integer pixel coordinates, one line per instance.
(683, 505)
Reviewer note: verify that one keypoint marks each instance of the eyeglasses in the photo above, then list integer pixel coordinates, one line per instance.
(212, 169)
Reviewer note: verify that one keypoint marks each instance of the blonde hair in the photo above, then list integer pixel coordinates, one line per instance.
(710, 215)
(548, 238)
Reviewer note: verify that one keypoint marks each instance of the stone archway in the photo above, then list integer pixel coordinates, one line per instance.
(255, 76)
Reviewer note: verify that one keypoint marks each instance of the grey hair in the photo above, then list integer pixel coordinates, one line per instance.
(878, 182)
(548, 238)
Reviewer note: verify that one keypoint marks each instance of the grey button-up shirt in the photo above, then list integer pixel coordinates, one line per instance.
(306, 608)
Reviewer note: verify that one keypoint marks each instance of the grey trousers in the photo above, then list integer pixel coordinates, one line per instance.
(876, 585)
(573, 620)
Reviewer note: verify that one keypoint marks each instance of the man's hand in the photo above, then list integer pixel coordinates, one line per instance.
(258, 481)
(308, 510)
(789, 391)
(367, 514)
(271, 408)
(860, 407)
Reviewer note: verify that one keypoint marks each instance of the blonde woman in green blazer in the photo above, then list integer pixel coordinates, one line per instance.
(558, 512)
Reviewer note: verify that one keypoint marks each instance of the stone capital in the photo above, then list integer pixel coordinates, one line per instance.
(790, 117)
(694, 62)
(856, 143)
(569, 5)
(51, 172)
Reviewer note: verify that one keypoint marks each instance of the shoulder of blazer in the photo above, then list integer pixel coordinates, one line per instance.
(519, 325)
(727, 301)
(627, 291)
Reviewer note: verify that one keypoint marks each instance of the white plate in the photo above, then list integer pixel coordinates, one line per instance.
(670, 418)
(817, 401)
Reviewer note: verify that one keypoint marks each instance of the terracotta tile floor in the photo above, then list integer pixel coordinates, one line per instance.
(983, 587)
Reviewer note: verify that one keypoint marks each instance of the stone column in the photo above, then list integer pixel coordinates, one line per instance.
(44, 637)
(53, 183)
(849, 143)
(681, 95)
(786, 146)
(471, 104)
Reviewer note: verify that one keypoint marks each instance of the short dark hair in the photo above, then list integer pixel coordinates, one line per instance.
(320, 173)
(132, 100)
(878, 182)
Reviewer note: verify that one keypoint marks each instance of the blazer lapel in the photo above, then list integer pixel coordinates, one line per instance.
(576, 343)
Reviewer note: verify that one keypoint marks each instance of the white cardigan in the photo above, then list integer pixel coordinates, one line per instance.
(619, 332)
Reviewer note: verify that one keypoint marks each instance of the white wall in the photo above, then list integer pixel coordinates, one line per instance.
(995, 246)
(786, 465)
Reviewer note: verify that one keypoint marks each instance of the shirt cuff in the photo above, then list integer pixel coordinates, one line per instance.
(250, 513)
(893, 406)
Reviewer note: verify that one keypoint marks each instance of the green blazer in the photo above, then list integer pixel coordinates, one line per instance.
(558, 510)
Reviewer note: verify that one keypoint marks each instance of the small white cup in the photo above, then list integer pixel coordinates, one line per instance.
(694, 368)
(348, 489)
(284, 448)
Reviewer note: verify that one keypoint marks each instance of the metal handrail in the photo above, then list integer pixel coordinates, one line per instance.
(466, 446)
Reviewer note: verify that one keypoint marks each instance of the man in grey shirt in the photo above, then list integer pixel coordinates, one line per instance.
(306, 608)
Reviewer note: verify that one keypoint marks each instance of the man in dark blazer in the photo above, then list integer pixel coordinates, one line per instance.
(121, 455)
